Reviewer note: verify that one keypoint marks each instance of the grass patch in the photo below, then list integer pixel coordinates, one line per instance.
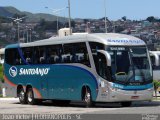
(1, 73)
(1, 95)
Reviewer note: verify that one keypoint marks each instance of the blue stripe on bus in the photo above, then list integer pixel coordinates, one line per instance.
(129, 87)
(93, 83)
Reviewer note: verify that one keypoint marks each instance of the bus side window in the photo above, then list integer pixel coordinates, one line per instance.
(67, 56)
(28, 55)
(96, 46)
(54, 54)
(17, 57)
(81, 54)
(40, 55)
(76, 53)
(101, 66)
(10, 56)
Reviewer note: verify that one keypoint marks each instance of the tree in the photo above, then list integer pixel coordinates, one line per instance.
(151, 19)
(118, 29)
(42, 22)
(86, 20)
(124, 18)
(72, 24)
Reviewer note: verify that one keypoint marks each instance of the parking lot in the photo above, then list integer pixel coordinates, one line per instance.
(12, 106)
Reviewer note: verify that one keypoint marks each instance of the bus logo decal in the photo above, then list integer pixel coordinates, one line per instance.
(13, 71)
(34, 71)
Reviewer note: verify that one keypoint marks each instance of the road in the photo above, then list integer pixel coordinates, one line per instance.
(12, 106)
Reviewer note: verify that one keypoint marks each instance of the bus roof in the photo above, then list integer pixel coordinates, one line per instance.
(104, 38)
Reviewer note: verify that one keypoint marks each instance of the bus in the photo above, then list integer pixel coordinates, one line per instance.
(92, 68)
(155, 59)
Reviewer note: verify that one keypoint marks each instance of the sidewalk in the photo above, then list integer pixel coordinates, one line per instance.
(9, 99)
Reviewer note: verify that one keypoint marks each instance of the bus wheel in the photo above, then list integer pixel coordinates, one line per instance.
(30, 97)
(87, 99)
(126, 104)
(22, 96)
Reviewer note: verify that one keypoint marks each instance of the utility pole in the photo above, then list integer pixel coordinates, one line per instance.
(55, 11)
(18, 30)
(17, 20)
(105, 16)
(69, 16)
(30, 35)
(27, 33)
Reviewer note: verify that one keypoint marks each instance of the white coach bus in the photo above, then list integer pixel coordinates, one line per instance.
(102, 67)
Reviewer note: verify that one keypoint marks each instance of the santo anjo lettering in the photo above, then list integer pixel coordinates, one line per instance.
(36, 71)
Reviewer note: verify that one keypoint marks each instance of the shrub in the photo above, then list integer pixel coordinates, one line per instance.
(1, 73)
(156, 86)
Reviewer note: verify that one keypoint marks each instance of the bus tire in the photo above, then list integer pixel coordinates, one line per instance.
(126, 104)
(22, 96)
(30, 97)
(87, 98)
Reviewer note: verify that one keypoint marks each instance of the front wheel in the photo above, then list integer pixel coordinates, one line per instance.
(126, 104)
(87, 99)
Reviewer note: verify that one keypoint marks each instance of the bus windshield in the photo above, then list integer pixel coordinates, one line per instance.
(130, 65)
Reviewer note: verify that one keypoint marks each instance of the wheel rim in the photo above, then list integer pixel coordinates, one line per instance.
(21, 96)
(30, 97)
(87, 97)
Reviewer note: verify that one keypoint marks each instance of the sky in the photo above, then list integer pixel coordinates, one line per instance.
(115, 9)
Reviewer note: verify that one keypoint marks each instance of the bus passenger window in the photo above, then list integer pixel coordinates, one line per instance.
(9, 56)
(40, 55)
(17, 57)
(76, 53)
(28, 55)
(53, 54)
(67, 56)
(81, 54)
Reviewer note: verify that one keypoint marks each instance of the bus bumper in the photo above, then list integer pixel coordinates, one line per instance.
(118, 95)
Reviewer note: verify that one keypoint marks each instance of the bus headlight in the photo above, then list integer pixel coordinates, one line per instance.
(114, 89)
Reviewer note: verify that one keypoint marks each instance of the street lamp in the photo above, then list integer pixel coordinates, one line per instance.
(27, 33)
(56, 12)
(69, 16)
(30, 35)
(17, 20)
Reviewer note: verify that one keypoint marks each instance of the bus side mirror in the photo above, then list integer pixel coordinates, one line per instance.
(155, 58)
(107, 56)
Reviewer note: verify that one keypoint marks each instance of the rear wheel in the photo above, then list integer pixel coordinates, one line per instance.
(30, 97)
(126, 104)
(87, 98)
(22, 96)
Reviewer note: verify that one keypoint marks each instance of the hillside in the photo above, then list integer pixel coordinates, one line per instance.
(11, 11)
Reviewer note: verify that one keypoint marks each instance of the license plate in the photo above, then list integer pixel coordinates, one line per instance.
(134, 97)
